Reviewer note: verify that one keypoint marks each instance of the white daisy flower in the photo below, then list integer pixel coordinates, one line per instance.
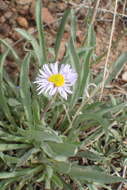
(52, 80)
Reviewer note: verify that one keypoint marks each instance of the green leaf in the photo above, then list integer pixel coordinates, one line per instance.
(62, 167)
(3, 100)
(13, 138)
(74, 57)
(85, 68)
(9, 47)
(33, 42)
(92, 187)
(25, 88)
(73, 24)
(40, 29)
(114, 70)
(93, 116)
(41, 135)
(5, 183)
(90, 155)
(11, 86)
(5, 147)
(91, 40)
(23, 159)
(117, 67)
(93, 137)
(85, 173)
(49, 172)
(61, 32)
(36, 111)
(2, 61)
(56, 180)
(4, 106)
(112, 109)
(76, 65)
(13, 102)
(59, 151)
(20, 173)
(9, 159)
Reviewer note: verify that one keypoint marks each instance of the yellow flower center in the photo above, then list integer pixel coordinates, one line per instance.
(57, 79)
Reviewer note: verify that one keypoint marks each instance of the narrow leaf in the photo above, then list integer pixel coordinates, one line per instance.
(3, 100)
(117, 67)
(9, 47)
(25, 88)
(33, 42)
(6, 147)
(40, 29)
(82, 173)
(61, 32)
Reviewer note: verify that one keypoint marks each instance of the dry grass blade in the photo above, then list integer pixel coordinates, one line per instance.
(109, 50)
(95, 12)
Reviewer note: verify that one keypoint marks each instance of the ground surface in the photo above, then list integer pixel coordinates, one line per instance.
(20, 13)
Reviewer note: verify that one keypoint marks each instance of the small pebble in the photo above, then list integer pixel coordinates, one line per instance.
(8, 14)
(23, 2)
(3, 5)
(2, 19)
(4, 29)
(22, 22)
(124, 76)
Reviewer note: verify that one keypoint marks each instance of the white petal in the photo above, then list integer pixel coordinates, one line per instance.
(46, 69)
(40, 87)
(43, 74)
(65, 68)
(49, 87)
(41, 81)
(62, 93)
(41, 91)
(54, 68)
(67, 89)
(52, 91)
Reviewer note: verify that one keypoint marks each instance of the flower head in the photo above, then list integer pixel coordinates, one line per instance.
(52, 79)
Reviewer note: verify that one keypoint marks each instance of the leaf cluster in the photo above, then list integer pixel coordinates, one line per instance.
(49, 151)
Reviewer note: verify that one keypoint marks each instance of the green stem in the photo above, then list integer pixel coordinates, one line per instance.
(47, 107)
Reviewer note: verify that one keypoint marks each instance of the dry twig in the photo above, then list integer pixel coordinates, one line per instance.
(109, 49)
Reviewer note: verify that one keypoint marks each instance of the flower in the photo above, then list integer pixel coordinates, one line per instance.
(52, 79)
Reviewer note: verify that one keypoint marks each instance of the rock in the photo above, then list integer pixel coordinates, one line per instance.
(4, 29)
(51, 5)
(8, 14)
(22, 22)
(32, 9)
(124, 76)
(62, 6)
(82, 13)
(23, 12)
(47, 16)
(3, 5)
(14, 10)
(108, 16)
(23, 2)
(15, 35)
(2, 19)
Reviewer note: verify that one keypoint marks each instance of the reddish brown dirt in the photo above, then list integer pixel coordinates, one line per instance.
(20, 13)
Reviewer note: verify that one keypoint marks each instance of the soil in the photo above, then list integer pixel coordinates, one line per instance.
(21, 13)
